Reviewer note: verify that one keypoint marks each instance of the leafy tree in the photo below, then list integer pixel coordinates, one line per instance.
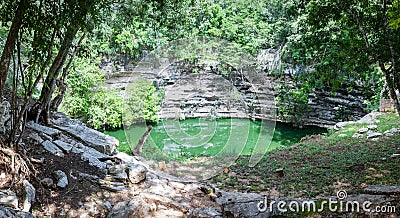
(142, 103)
(343, 41)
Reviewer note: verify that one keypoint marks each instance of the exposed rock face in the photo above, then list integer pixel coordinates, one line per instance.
(210, 94)
(52, 148)
(90, 137)
(136, 173)
(327, 109)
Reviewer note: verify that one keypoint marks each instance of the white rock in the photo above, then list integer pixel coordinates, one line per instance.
(342, 135)
(30, 193)
(372, 127)
(394, 130)
(357, 135)
(372, 134)
(8, 197)
(363, 130)
(136, 173)
(61, 177)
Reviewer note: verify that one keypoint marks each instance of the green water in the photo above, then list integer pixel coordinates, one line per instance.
(199, 137)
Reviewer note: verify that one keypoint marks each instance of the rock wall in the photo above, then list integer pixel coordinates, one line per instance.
(193, 91)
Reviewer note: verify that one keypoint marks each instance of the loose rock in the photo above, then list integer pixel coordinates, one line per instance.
(136, 173)
(52, 148)
(357, 135)
(30, 193)
(8, 198)
(372, 134)
(48, 182)
(363, 130)
(62, 179)
(382, 189)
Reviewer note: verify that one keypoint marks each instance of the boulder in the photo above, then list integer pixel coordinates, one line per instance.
(30, 193)
(370, 118)
(61, 177)
(43, 129)
(95, 139)
(8, 198)
(136, 173)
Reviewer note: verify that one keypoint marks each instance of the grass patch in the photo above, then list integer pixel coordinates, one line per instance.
(323, 167)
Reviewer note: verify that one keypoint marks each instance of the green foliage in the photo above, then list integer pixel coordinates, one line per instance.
(87, 101)
(341, 42)
(292, 102)
(142, 103)
(394, 14)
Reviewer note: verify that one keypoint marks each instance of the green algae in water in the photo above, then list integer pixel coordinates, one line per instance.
(199, 137)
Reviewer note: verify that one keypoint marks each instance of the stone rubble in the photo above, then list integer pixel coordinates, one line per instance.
(61, 178)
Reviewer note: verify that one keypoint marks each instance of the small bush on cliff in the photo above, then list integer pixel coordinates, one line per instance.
(86, 100)
(143, 102)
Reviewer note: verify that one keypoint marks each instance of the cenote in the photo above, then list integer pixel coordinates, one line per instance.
(200, 137)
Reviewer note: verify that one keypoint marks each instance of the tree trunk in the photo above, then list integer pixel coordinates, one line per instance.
(43, 108)
(61, 84)
(139, 146)
(9, 46)
(390, 82)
